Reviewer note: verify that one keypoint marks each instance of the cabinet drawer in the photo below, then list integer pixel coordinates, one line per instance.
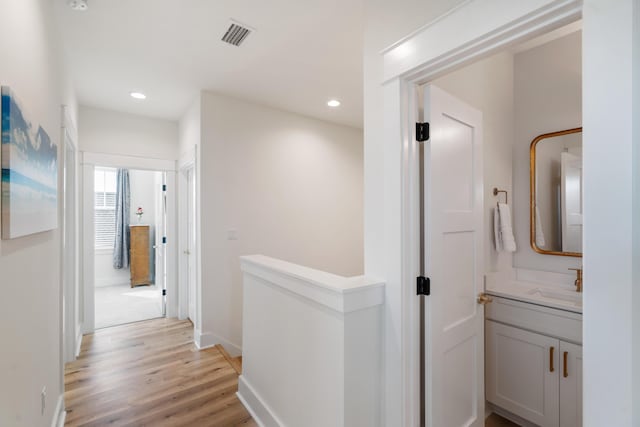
(552, 322)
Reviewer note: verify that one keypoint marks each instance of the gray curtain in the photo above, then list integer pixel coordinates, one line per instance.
(123, 201)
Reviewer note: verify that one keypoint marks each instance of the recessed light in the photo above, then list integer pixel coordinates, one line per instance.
(138, 95)
(78, 5)
(333, 103)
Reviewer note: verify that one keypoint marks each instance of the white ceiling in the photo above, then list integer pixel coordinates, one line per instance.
(303, 53)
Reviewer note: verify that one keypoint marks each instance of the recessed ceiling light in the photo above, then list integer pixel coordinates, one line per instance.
(138, 95)
(79, 5)
(333, 103)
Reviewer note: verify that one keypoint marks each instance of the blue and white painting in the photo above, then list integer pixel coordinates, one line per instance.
(29, 173)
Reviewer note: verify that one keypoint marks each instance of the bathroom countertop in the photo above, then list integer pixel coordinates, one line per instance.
(533, 293)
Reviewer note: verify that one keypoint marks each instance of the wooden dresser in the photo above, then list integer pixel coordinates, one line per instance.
(139, 255)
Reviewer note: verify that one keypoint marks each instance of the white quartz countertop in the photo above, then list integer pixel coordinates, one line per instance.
(554, 296)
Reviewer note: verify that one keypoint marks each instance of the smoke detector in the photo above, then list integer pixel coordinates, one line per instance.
(236, 33)
(78, 5)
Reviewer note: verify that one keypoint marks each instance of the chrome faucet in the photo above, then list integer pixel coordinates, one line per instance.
(578, 281)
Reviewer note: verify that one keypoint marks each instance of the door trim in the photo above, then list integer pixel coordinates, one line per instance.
(409, 63)
(88, 162)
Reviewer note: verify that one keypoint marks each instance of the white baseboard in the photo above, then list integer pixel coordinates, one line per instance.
(59, 414)
(204, 340)
(260, 411)
(511, 417)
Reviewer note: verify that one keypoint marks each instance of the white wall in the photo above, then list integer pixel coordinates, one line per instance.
(189, 129)
(290, 187)
(144, 194)
(608, 107)
(387, 22)
(548, 98)
(636, 215)
(487, 85)
(31, 355)
(110, 132)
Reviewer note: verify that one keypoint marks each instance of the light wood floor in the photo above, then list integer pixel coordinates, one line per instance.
(150, 374)
(495, 420)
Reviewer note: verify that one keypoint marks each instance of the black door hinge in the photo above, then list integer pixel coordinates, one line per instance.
(164, 187)
(164, 292)
(422, 131)
(424, 285)
(164, 239)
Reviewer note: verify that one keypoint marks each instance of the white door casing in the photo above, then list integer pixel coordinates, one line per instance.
(454, 260)
(412, 61)
(71, 324)
(88, 163)
(191, 243)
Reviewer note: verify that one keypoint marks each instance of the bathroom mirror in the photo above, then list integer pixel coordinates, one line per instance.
(556, 193)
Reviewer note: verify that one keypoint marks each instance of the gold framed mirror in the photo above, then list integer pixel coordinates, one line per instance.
(556, 188)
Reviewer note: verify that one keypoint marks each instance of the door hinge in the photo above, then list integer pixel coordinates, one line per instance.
(422, 132)
(164, 292)
(164, 187)
(164, 240)
(424, 285)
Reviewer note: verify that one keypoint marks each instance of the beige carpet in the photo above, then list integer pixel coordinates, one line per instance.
(120, 304)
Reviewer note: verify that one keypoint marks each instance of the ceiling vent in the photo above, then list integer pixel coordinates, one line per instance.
(236, 34)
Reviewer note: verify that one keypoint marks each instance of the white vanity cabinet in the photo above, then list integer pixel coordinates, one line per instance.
(534, 362)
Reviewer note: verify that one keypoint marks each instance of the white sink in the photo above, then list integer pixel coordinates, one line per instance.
(570, 296)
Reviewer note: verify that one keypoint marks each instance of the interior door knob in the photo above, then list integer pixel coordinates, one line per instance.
(484, 299)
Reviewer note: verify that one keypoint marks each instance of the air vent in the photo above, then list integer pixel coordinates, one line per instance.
(236, 34)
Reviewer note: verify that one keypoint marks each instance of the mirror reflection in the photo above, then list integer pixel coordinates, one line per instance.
(556, 193)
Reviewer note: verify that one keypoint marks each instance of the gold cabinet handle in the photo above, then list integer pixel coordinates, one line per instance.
(565, 370)
(551, 350)
(484, 299)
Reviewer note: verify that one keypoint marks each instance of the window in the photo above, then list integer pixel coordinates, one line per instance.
(105, 207)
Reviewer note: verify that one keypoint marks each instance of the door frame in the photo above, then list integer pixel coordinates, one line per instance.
(88, 162)
(189, 160)
(69, 242)
(411, 62)
(186, 164)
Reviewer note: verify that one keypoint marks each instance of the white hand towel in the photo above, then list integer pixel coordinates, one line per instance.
(496, 230)
(540, 241)
(505, 241)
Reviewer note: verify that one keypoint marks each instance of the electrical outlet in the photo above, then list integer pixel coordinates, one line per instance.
(43, 399)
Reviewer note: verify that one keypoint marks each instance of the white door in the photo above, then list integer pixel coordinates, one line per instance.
(571, 385)
(571, 201)
(454, 320)
(522, 373)
(191, 243)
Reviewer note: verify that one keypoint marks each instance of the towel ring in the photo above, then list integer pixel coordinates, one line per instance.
(506, 195)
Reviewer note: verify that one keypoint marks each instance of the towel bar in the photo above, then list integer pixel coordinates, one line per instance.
(506, 194)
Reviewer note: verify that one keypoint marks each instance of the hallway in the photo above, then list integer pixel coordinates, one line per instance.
(150, 374)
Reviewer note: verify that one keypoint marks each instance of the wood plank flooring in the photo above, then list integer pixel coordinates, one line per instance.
(150, 374)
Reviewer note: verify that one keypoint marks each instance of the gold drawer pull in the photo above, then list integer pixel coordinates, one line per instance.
(565, 372)
(551, 368)
(484, 299)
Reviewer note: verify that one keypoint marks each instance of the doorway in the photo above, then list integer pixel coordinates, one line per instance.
(130, 222)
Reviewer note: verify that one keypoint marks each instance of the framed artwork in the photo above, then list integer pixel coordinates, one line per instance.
(29, 172)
